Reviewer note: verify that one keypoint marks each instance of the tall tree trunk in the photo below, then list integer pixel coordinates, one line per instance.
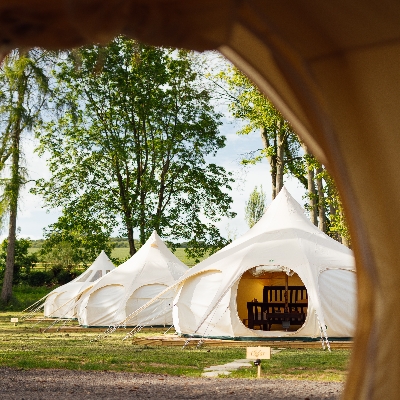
(6, 291)
(280, 160)
(142, 225)
(312, 193)
(15, 184)
(161, 194)
(272, 161)
(131, 242)
(312, 196)
(321, 201)
(127, 210)
(129, 232)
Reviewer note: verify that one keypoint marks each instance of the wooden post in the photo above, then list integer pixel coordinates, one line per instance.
(286, 293)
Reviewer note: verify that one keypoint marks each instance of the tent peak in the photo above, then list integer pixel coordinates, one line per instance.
(283, 210)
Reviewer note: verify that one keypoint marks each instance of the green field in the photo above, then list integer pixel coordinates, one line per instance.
(123, 253)
(23, 346)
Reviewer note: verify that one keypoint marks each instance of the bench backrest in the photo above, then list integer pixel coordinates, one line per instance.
(276, 294)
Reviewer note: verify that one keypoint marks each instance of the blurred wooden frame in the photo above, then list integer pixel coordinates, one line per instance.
(333, 69)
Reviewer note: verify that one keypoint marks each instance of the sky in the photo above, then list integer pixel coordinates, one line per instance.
(32, 217)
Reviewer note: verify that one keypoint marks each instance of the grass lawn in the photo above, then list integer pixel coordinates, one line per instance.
(23, 346)
(24, 296)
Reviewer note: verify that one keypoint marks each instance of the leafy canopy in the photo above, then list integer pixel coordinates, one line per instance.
(129, 148)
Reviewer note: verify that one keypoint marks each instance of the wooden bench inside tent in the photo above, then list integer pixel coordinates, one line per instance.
(272, 310)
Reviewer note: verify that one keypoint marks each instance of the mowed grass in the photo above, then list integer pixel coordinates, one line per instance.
(23, 346)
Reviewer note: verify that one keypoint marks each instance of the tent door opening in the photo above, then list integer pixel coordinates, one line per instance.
(282, 308)
(272, 301)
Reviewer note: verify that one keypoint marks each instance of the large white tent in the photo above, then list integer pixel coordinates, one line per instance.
(213, 298)
(147, 273)
(60, 303)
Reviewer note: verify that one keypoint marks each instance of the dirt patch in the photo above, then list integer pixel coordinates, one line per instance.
(79, 385)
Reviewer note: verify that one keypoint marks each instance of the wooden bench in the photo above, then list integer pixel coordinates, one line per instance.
(272, 310)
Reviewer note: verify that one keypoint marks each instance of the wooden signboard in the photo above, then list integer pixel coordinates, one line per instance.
(258, 353)
(261, 353)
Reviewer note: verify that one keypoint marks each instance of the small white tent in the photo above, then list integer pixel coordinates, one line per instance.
(218, 296)
(60, 302)
(147, 273)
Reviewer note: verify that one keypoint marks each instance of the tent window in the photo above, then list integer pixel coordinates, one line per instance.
(84, 276)
(96, 275)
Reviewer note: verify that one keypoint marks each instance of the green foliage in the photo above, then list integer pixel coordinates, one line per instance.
(255, 207)
(131, 143)
(280, 145)
(75, 239)
(248, 104)
(40, 278)
(338, 227)
(23, 260)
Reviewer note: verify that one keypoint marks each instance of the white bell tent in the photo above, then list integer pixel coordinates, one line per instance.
(243, 286)
(147, 273)
(60, 303)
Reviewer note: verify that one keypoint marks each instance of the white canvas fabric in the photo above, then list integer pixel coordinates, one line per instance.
(60, 303)
(148, 272)
(283, 240)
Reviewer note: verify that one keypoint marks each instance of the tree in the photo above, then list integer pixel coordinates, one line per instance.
(324, 204)
(285, 153)
(130, 148)
(24, 87)
(281, 146)
(75, 239)
(23, 260)
(255, 207)
(337, 225)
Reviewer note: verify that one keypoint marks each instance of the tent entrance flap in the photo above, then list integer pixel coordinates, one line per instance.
(272, 301)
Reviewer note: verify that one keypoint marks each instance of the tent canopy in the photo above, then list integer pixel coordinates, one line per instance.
(60, 303)
(152, 269)
(283, 240)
